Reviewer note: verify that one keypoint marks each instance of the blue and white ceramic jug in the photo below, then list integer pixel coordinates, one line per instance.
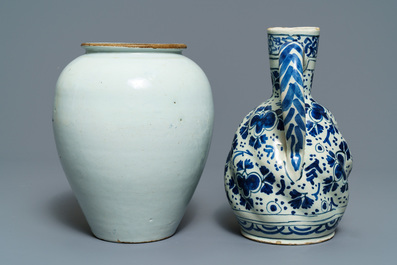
(286, 174)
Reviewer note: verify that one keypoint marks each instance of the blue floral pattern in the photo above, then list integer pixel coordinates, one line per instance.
(269, 199)
(310, 43)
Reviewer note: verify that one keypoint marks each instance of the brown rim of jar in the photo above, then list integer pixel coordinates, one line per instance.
(137, 45)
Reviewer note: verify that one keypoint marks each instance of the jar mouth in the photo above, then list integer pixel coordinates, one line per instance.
(294, 30)
(135, 45)
(115, 47)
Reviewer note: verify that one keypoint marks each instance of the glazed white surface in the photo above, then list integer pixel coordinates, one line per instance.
(133, 132)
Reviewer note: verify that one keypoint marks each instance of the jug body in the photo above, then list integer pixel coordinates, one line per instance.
(286, 175)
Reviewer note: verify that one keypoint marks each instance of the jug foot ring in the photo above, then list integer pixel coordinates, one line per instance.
(276, 241)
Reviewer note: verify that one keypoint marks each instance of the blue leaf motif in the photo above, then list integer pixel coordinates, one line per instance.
(289, 116)
(247, 202)
(295, 194)
(318, 112)
(269, 119)
(244, 131)
(339, 172)
(344, 148)
(299, 107)
(335, 186)
(344, 188)
(233, 186)
(307, 202)
(252, 182)
(248, 164)
(296, 203)
(267, 184)
(331, 158)
(300, 200)
(300, 123)
(264, 170)
(329, 184)
(287, 102)
(292, 100)
(314, 128)
(263, 121)
(256, 142)
(326, 188)
(270, 178)
(242, 166)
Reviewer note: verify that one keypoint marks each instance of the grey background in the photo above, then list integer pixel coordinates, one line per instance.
(40, 221)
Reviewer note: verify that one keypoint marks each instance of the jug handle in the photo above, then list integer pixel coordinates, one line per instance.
(293, 106)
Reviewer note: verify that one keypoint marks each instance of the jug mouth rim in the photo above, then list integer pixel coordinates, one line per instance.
(294, 30)
(136, 45)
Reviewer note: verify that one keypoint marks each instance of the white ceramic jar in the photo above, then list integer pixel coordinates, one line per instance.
(133, 124)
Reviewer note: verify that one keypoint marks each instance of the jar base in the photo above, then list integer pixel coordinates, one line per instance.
(276, 241)
(132, 241)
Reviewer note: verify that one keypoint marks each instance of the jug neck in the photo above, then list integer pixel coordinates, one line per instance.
(308, 38)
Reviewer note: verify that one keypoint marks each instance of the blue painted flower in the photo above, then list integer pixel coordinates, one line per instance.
(338, 159)
(338, 162)
(263, 121)
(248, 183)
(331, 158)
(243, 166)
(329, 184)
(268, 180)
(256, 142)
(300, 200)
(314, 128)
(232, 186)
(273, 44)
(344, 187)
(345, 149)
(311, 45)
(317, 112)
(248, 203)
